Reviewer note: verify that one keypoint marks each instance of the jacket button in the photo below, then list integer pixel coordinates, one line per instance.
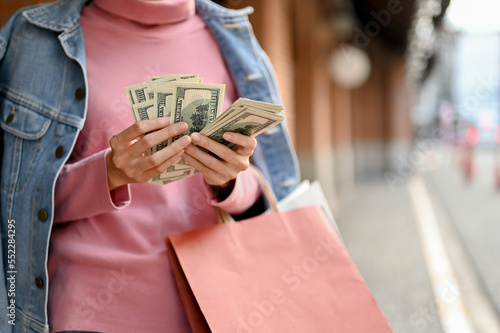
(60, 151)
(11, 116)
(79, 93)
(39, 283)
(42, 215)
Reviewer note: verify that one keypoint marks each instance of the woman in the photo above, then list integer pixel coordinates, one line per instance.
(73, 172)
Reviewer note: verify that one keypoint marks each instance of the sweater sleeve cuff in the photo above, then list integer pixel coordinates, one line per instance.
(82, 190)
(245, 193)
(119, 197)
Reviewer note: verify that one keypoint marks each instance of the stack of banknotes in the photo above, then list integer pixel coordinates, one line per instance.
(184, 97)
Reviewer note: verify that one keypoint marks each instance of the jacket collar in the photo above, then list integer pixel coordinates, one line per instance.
(209, 8)
(64, 15)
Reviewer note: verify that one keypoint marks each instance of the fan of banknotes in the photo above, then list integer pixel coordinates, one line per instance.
(184, 97)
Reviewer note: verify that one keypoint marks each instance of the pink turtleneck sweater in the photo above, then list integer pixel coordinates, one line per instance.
(108, 266)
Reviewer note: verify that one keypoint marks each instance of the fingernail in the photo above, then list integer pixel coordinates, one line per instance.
(195, 136)
(185, 140)
(167, 119)
(182, 126)
(228, 136)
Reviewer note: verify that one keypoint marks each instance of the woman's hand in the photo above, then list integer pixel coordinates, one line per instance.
(220, 173)
(127, 162)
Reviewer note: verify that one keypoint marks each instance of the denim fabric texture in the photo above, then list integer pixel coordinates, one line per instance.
(42, 108)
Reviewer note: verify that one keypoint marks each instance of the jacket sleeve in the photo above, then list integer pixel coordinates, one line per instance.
(82, 190)
(5, 33)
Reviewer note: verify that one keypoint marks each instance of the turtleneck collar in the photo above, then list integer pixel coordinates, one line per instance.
(149, 12)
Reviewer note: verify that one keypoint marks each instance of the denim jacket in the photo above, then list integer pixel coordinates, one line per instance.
(43, 105)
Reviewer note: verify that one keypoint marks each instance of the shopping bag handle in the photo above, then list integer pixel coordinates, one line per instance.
(267, 191)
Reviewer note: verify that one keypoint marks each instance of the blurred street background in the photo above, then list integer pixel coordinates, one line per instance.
(394, 105)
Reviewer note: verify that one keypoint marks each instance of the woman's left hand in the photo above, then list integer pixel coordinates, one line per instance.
(220, 173)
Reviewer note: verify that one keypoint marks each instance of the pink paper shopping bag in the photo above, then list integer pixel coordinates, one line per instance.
(280, 272)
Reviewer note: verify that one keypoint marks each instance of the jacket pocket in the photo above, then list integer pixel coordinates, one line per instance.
(22, 121)
(23, 131)
(28, 324)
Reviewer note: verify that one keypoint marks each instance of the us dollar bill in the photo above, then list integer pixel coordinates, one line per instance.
(173, 77)
(248, 122)
(162, 96)
(173, 174)
(141, 92)
(263, 106)
(162, 99)
(143, 110)
(240, 105)
(197, 104)
(137, 93)
(150, 93)
(184, 97)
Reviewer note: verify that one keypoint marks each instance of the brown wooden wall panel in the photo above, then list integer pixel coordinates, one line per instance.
(370, 102)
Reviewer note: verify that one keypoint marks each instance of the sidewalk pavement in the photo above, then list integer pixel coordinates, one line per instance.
(379, 230)
(474, 208)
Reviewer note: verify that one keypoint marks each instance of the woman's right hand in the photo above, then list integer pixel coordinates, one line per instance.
(127, 161)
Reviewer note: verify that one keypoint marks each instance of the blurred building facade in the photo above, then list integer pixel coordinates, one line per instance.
(346, 131)
(341, 134)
